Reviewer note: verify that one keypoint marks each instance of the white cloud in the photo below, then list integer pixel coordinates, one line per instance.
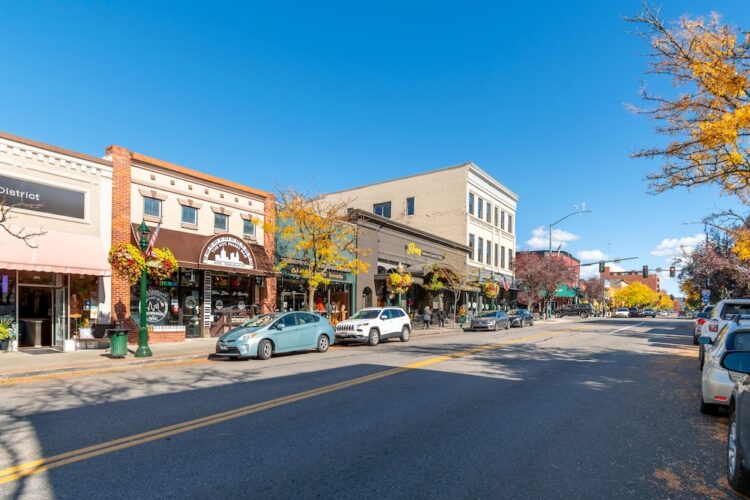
(540, 238)
(670, 248)
(589, 255)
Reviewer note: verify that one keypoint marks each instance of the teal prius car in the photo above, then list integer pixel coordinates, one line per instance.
(268, 334)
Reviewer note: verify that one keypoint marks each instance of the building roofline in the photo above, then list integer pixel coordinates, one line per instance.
(55, 149)
(173, 167)
(428, 172)
(487, 177)
(360, 214)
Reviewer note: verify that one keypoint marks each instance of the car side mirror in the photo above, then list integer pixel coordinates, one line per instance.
(280, 326)
(382, 316)
(736, 361)
(705, 340)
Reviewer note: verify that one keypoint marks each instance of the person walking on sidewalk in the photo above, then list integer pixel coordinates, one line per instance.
(427, 317)
(441, 318)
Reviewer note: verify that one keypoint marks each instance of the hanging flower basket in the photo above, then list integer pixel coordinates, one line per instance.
(490, 289)
(161, 264)
(434, 285)
(398, 283)
(127, 261)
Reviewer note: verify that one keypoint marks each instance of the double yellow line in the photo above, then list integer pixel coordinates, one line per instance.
(44, 464)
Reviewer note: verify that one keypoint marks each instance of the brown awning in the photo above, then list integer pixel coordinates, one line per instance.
(187, 249)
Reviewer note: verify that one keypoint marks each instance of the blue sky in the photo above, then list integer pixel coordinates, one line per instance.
(334, 94)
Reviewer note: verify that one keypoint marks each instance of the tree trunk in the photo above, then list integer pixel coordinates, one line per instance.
(311, 298)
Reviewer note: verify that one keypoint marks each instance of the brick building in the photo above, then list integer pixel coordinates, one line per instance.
(630, 277)
(214, 227)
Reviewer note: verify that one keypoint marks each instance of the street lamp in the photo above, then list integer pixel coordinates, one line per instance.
(143, 350)
(577, 212)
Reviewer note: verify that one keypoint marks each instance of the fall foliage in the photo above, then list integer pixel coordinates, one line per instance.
(708, 122)
(539, 276)
(317, 237)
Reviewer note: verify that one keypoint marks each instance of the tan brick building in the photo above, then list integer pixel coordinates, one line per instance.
(214, 227)
(631, 277)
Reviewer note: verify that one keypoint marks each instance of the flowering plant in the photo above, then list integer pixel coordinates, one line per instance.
(490, 289)
(127, 261)
(435, 285)
(398, 283)
(161, 264)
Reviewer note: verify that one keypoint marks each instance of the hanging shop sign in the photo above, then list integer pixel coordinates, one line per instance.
(227, 251)
(413, 249)
(42, 198)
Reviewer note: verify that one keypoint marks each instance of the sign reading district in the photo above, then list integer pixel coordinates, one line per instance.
(42, 198)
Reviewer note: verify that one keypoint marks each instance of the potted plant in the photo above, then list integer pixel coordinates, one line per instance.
(6, 332)
(84, 331)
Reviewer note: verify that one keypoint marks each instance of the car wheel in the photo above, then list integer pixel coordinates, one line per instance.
(495, 328)
(701, 359)
(558, 316)
(265, 349)
(584, 315)
(405, 334)
(709, 409)
(322, 343)
(374, 337)
(737, 475)
(522, 323)
(507, 325)
(695, 340)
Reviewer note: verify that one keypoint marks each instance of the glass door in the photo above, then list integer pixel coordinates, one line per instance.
(59, 323)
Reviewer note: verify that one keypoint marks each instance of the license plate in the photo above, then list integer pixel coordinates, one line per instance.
(223, 348)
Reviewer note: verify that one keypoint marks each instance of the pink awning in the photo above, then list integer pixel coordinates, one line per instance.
(55, 252)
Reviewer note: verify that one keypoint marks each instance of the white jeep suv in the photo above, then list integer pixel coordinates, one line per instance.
(374, 323)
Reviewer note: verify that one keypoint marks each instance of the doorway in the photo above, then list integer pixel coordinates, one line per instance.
(41, 316)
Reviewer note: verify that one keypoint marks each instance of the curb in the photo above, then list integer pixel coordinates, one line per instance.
(101, 367)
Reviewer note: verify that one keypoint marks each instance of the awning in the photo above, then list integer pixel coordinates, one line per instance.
(565, 292)
(55, 252)
(188, 249)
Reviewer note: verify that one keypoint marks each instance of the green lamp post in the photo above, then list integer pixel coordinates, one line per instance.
(143, 350)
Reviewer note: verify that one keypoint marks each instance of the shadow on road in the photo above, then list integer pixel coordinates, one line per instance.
(523, 420)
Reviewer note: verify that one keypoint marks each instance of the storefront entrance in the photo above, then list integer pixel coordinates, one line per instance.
(42, 316)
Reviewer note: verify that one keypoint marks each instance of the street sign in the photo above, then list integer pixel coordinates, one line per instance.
(706, 295)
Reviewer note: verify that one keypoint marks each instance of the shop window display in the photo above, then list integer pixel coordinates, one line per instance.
(231, 300)
(83, 302)
(7, 293)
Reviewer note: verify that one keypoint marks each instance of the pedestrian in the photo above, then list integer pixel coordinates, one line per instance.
(441, 318)
(427, 317)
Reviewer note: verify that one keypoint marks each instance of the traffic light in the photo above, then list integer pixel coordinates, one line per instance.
(671, 297)
(645, 271)
(672, 272)
(601, 266)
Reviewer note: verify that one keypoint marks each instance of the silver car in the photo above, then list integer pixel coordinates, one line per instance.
(716, 382)
(490, 320)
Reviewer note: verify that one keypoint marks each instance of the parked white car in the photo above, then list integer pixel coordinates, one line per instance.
(721, 314)
(716, 382)
(372, 324)
(622, 312)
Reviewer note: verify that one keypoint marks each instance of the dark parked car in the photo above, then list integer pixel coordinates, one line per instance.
(490, 320)
(582, 310)
(738, 438)
(634, 312)
(520, 317)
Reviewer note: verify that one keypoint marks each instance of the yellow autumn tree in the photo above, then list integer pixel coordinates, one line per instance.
(664, 302)
(708, 120)
(741, 246)
(317, 237)
(635, 295)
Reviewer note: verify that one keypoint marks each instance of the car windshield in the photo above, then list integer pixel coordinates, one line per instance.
(367, 314)
(488, 314)
(262, 320)
(623, 309)
(513, 312)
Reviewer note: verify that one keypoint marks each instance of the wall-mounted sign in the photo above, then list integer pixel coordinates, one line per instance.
(330, 274)
(42, 198)
(413, 249)
(157, 306)
(227, 251)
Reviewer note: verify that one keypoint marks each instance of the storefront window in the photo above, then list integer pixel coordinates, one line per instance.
(231, 299)
(162, 304)
(7, 293)
(190, 304)
(83, 300)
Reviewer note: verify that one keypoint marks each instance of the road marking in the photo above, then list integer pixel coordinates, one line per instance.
(628, 327)
(44, 464)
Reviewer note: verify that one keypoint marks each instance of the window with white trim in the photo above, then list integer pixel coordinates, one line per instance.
(221, 222)
(189, 215)
(151, 206)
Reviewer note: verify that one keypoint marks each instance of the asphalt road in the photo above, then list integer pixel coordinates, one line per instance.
(582, 409)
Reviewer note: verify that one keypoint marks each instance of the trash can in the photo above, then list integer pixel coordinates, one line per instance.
(118, 343)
